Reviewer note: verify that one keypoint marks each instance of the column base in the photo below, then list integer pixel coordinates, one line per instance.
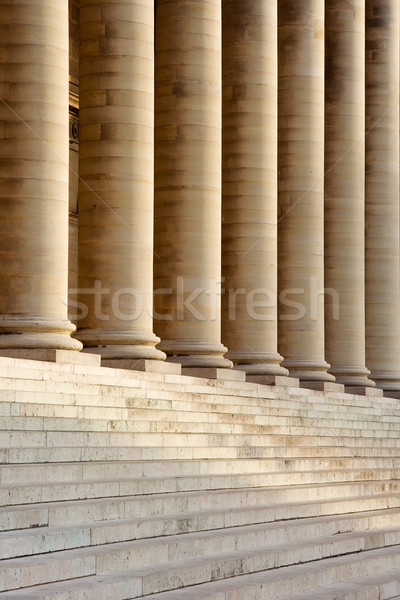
(142, 364)
(370, 392)
(352, 376)
(31, 333)
(308, 370)
(276, 380)
(322, 386)
(258, 363)
(196, 354)
(214, 373)
(389, 382)
(121, 345)
(62, 357)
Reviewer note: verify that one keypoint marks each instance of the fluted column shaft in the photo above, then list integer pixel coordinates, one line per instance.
(249, 190)
(188, 181)
(301, 188)
(34, 176)
(344, 191)
(382, 193)
(116, 178)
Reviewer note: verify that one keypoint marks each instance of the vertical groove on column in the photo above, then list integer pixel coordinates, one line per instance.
(34, 176)
(301, 188)
(382, 193)
(116, 171)
(188, 181)
(344, 191)
(249, 190)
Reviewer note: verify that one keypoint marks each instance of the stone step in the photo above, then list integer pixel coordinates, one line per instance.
(380, 586)
(293, 436)
(15, 369)
(172, 423)
(153, 566)
(373, 587)
(275, 584)
(376, 448)
(143, 409)
(75, 471)
(51, 539)
(101, 488)
(121, 453)
(177, 399)
(61, 425)
(254, 504)
(210, 405)
(23, 377)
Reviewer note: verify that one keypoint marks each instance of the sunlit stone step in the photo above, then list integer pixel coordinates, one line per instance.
(100, 488)
(50, 539)
(75, 471)
(260, 565)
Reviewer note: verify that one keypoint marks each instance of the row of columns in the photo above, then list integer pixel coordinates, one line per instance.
(280, 116)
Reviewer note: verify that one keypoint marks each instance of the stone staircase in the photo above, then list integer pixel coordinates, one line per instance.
(118, 484)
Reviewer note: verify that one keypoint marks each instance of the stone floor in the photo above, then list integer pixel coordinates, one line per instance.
(119, 484)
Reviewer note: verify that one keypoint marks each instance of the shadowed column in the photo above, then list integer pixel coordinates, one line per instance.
(344, 191)
(34, 179)
(301, 188)
(249, 191)
(188, 181)
(116, 185)
(382, 193)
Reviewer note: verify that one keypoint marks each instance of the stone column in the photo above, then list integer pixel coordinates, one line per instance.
(382, 193)
(249, 189)
(34, 179)
(188, 181)
(116, 179)
(301, 188)
(344, 191)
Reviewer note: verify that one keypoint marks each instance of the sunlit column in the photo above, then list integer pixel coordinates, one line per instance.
(301, 188)
(188, 181)
(382, 193)
(116, 178)
(249, 191)
(34, 178)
